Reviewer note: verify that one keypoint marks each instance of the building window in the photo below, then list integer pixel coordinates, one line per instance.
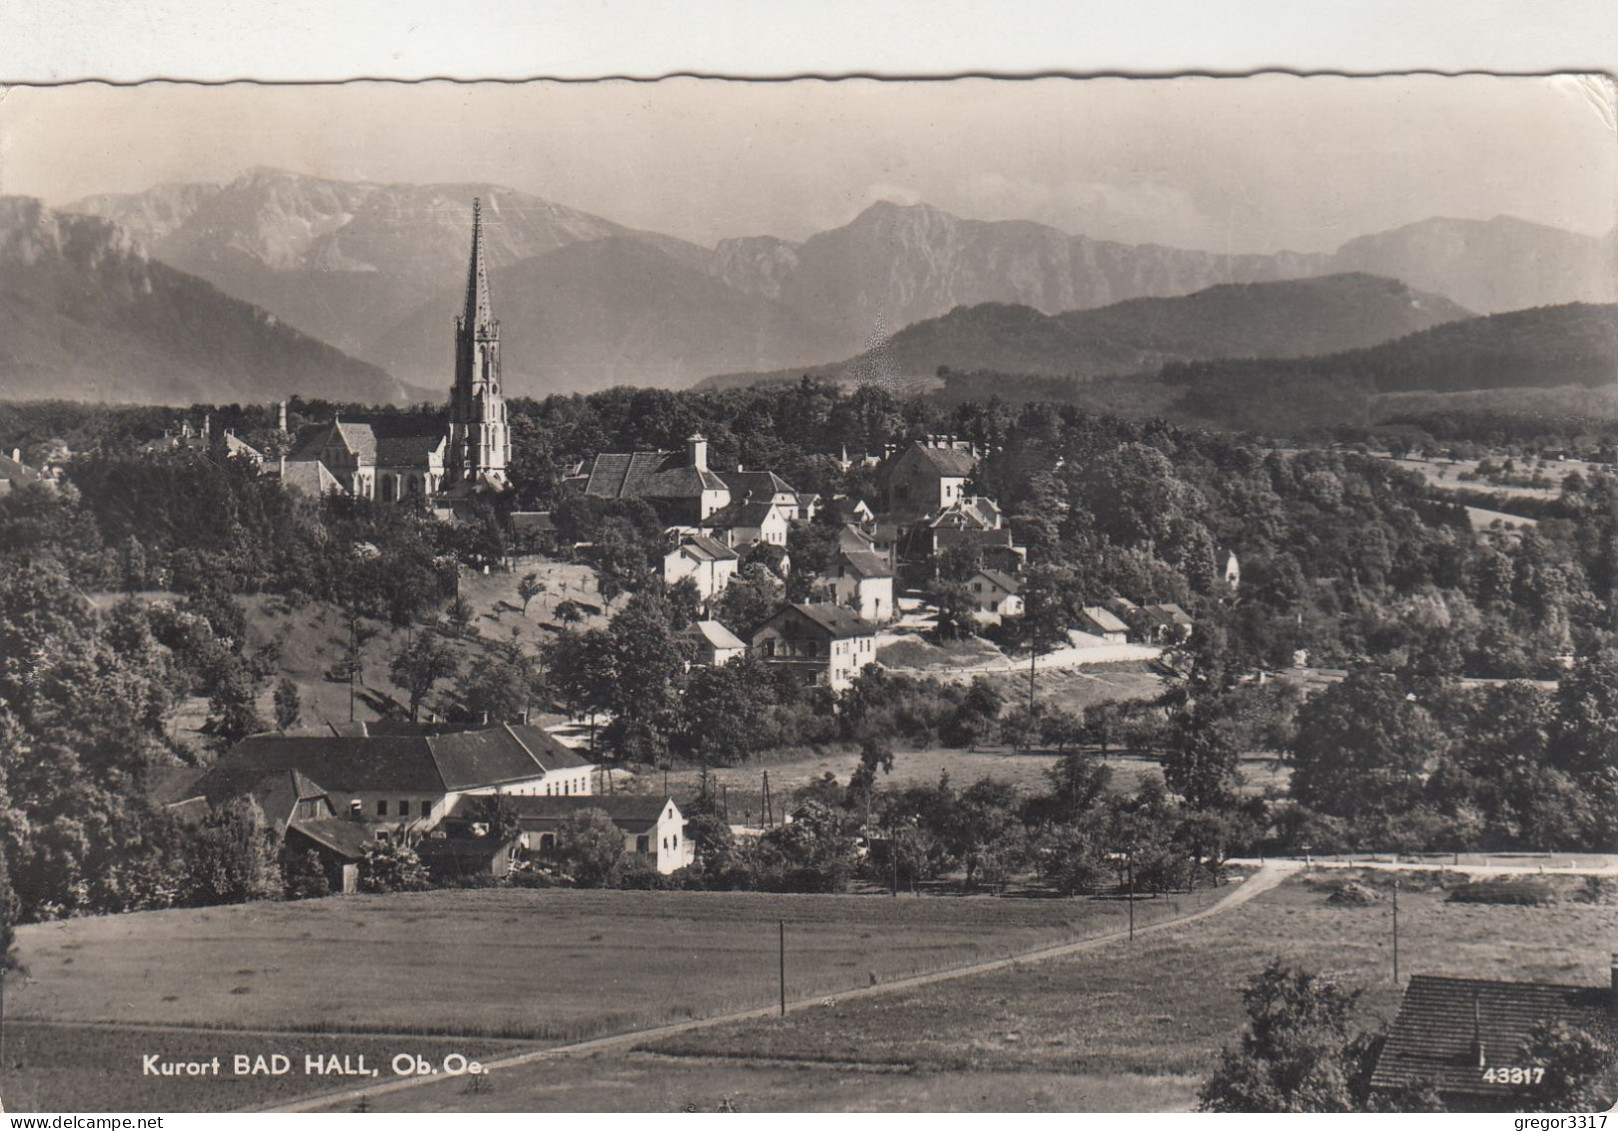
(381, 808)
(426, 808)
(643, 845)
(404, 808)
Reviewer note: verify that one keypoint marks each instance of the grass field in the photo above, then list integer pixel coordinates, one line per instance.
(543, 965)
(404, 972)
(1125, 1027)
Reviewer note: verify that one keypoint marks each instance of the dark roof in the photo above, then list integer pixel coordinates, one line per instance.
(276, 769)
(358, 438)
(462, 847)
(1433, 1038)
(345, 838)
(1003, 580)
(834, 620)
(407, 451)
(757, 484)
(649, 475)
(948, 461)
(632, 812)
(710, 549)
(740, 514)
(865, 563)
(1168, 614)
(946, 536)
(309, 476)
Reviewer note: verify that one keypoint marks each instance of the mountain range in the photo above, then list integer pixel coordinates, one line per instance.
(85, 313)
(375, 270)
(1293, 318)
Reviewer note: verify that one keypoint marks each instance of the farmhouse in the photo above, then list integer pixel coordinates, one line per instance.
(653, 827)
(679, 485)
(1165, 624)
(995, 594)
(710, 564)
(389, 780)
(862, 581)
(1464, 1036)
(821, 644)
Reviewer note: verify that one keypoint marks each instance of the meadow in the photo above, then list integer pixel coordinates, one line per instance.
(1123, 1027)
(478, 969)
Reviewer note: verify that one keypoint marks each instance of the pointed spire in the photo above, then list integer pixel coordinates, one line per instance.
(477, 315)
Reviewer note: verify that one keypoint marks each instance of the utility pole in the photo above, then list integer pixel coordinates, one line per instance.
(1130, 859)
(1033, 655)
(354, 656)
(768, 815)
(782, 923)
(1396, 930)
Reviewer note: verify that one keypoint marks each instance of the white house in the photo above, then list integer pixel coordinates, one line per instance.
(995, 594)
(741, 525)
(862, 581)
(821, 644)
(713, 644)
(653, 826)
(706, 561)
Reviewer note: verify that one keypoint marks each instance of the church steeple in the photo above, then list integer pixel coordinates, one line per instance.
(477, 313)
(478, 439)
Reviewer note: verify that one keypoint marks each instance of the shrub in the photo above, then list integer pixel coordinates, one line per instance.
(1510, 893)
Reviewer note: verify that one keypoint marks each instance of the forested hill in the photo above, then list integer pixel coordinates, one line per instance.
(1543, 348)
(1273, 319)
(84, 313)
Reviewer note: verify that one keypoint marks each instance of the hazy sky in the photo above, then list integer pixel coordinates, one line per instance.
(1254, 164)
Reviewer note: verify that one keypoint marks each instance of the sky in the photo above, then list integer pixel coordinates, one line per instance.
(1229, 165)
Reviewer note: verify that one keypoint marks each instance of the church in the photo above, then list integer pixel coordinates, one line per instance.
(469, 456)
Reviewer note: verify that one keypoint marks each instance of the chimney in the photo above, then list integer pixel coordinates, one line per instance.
(696, 450)
(283, 417)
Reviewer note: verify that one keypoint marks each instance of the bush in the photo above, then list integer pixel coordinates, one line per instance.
(387, 866)
(1353, 894)
(1509, 893)
(589, 847)
(304, 875)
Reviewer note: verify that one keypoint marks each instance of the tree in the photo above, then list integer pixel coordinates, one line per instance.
(229, 858)
(589, 847)
(1362, 747)
(977, 718)
(569, 612)
(1200, 758)
(956, 608)
(288, 705)
(502, 684)
(749, 600)
(391, 865)
(420, 666)
(1298, 1052)
(1581, 1067)
(981, 828)
(528, 588)
(304, 876)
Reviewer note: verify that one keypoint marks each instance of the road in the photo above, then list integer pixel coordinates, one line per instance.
(1267, 875)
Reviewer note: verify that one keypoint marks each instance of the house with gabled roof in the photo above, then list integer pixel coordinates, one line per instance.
(680, 486)
(652, 825)
(391, 781)
(862, 580)
(1098, 621)
(1464, 1037)
(743, 525)
(712, 644)
(15, 473)
(709, 563)
(820, 644)
(995, 594)
(926, 476)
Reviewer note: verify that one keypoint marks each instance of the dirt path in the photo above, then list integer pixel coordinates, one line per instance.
(1268, 875)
